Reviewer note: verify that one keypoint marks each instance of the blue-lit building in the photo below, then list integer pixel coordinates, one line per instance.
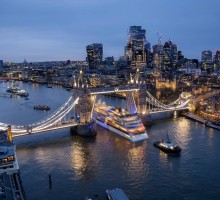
(135, 48)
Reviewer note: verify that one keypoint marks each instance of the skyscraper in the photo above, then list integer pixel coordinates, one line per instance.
(94, 55)
(207, 63)
(1, 63)
(135, 48)
(207, 56)
(217, 60)
(169, 55)
(217, 57)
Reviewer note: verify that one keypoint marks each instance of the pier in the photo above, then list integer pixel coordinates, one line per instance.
(201, 120)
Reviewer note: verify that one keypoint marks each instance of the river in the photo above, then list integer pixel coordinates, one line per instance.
(82, 167)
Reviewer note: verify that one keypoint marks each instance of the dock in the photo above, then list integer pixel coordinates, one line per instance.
(201, 120)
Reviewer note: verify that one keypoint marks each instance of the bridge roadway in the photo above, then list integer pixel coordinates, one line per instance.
(152, 111)
(66, 124)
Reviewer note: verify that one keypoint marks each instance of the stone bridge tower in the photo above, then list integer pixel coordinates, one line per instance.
(82, 111)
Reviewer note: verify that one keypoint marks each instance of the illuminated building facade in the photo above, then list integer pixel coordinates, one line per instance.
(135, 49)
(217, 59)
(158, 54)
(207, 60)
(94, 55)
(160, 84)
(169, 55)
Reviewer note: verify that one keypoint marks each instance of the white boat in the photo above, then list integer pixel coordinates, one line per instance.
(116, 194)
(120, 121)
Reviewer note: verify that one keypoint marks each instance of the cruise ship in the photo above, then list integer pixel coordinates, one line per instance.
(120, 121)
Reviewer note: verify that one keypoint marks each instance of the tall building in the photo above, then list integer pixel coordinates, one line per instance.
(207, 63)
(217, 59)
(169, 55)
(94, 55)
(135, 48)
(207, 56)
(158, 54)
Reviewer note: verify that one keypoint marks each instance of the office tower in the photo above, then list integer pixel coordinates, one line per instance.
(207, 56)
(135, 48)
(94, 55)
(217, 60)
(148, 53)
(207, 63)
(169, 55)
(217, 57)
(158, 54)
(1, 63)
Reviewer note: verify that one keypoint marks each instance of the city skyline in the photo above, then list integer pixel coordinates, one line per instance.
(44, 30)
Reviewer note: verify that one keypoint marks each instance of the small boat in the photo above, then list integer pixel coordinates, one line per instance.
(167, 146)
(49, 86)
(116, 194)
(41, 107)
(26, 98)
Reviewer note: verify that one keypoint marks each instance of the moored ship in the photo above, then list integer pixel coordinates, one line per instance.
(15, 89)
(42, 107)
(120, 121)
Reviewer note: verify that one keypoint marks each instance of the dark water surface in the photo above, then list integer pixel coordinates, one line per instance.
(84, 167)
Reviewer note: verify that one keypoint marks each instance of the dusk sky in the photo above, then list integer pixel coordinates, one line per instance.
(46, 30)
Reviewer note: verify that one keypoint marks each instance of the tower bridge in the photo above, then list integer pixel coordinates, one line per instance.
(77, 110)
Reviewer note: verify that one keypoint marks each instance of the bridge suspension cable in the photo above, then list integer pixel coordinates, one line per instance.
(150, 99)
(54, 118)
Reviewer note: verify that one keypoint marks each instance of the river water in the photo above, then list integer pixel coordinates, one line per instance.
(82, 167)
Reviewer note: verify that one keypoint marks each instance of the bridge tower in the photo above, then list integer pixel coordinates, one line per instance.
(130, 103)
(83, 110)
(140, 97)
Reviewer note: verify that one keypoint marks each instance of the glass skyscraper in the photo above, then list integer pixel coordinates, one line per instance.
(94, 55)
(135, 48)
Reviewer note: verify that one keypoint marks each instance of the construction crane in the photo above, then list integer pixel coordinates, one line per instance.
(159, 38)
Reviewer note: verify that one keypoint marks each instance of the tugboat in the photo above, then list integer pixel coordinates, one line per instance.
(167, 146)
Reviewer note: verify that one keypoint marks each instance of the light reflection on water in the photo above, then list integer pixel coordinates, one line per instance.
(83, 166)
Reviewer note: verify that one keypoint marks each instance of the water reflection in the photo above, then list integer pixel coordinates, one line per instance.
(81, 156)
(136, 162)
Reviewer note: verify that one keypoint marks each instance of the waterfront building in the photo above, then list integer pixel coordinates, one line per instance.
(94, 55)
(135, 48)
